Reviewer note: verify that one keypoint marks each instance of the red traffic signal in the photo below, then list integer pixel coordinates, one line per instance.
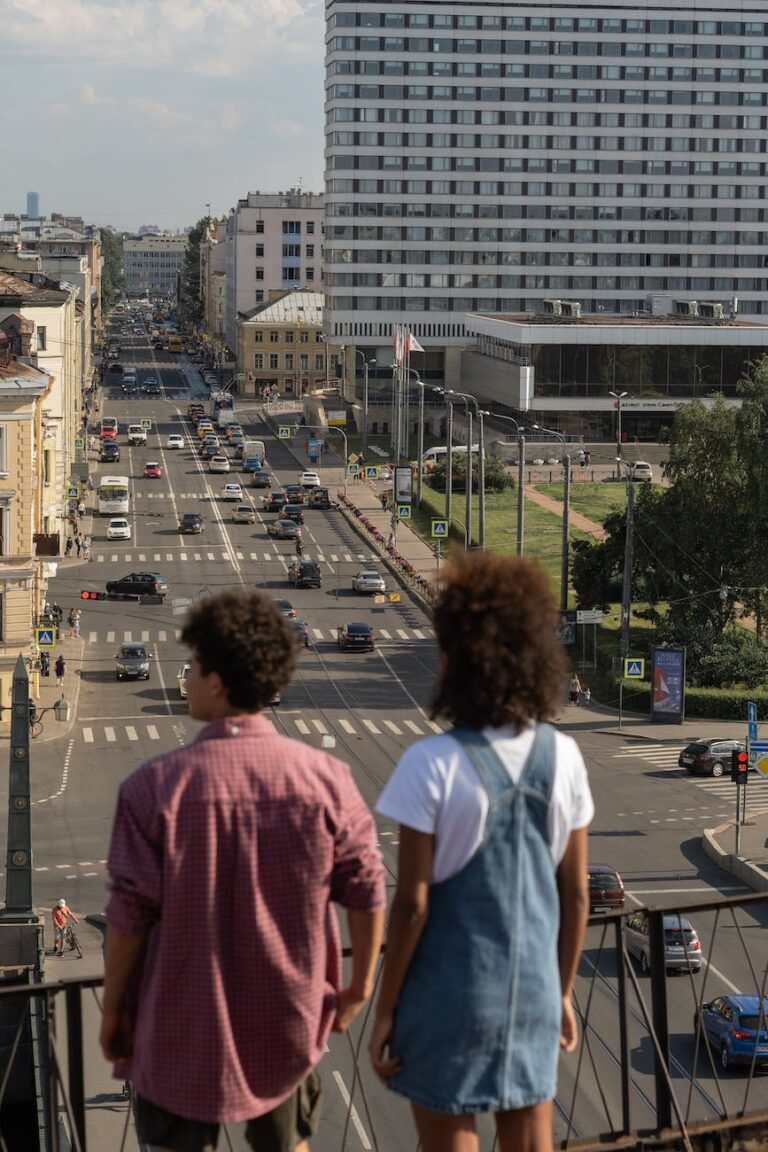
(93, 595)
(739, 765)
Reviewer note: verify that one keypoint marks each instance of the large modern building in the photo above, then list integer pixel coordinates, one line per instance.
(488, 157)
(154, 264)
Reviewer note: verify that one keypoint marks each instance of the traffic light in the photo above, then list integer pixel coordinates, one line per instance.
(93, 595)
(739, 766)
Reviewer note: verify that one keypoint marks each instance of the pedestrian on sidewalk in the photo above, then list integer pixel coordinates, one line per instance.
(383, 501)
(68, 548)
(76, 625)
(60, 668)
(81, 509)
(173, 978)
(499, 801)
(574, 688)
(78, 545)
(45, 664)
(87, 548)
(57, 614)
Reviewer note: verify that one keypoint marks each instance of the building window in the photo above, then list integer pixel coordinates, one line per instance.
(259, 250)
(274, 360)
(260, 296)
(3, 450)
(258, 337)
(310, 253)
(310, 273)
(319, 362)
(304, 337)
(310, 227)
(259, 227)
(304, 363)
(41, 338)
(47, 470)
(274, 337)
(289, 361)
(258, 360)
(259, 273)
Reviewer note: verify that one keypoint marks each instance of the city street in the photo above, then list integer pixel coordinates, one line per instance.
(650, 814)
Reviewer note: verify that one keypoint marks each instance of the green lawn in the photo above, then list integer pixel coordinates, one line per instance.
(595, 501)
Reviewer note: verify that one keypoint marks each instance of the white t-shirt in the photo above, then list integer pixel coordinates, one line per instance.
(436, 789)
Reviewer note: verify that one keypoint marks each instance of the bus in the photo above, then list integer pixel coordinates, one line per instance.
(114, 495)
(174, 343)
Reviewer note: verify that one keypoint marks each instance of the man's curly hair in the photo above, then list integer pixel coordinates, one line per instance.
(502, 663)
(240, 634)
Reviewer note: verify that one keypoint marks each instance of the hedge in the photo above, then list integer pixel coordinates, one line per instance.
(707, 703)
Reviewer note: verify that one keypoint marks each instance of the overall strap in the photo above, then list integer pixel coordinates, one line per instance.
(489, 766)
(539, 769)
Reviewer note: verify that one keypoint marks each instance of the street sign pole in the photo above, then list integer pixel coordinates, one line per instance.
(737, 845)
(438, 555)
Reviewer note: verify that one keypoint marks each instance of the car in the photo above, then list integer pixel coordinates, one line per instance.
(309, 479)
(231, 429)
(318, 498)
(356, 637)
(152, 388)
(368, 580)
(137, 434)
(236, 440)
(195, 409)
(275, 502)
(710, 756)
(182, 676)
(218, 464)
(284, 607)
(682, 947)
(108, 432)
(138, 584)
(132, 662)
(157, 345)
(606, 888)
(175, 441)
(191, 523)
(641, 470)
(302, 631)
(152, 470)
(261, 479)
(291, 512)
(304, 574)
(283, 529)
(735, 1025)
(118, 529)
(294, 493)
(130, 389)
(232, 492)
(244, 514)
(209, 450)
(109, 452)
(204, 426)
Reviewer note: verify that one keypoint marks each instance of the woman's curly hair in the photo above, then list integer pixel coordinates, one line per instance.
(240, 634)
(502, 663)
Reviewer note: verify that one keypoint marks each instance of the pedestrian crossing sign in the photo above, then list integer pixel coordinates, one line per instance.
(634, 669)
(45, 637)
(372, 472)
(284, 432)
(146, 425)
(440, 529)
(353, 469)
(73, 492)
(403, 511)
(79, 442)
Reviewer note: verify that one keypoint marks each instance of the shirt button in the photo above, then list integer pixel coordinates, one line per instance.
(233, 730)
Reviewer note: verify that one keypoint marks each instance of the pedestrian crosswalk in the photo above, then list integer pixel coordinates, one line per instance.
(720, 791)
(165, 635)
(284, 559)
(300, 725)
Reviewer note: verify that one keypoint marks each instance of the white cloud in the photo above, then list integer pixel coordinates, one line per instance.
(90, 96)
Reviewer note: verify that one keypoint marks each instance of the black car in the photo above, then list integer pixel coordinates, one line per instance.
(304, 574)
(293, 513)
(109, 452)
(261, 479)
(358, 637)
(191, 522)
(294, 493)
(132, 662)
(152, 389)
(139, 584)
(711, 757)
(130, 389)
(275, 502)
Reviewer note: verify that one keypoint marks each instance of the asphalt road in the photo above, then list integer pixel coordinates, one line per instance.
(649, 816)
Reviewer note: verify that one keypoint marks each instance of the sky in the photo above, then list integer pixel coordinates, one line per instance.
(131, 112)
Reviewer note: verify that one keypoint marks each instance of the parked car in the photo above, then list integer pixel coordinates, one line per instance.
(606, 888)
(283, 529)
(175, 441)
(735, 1026)
(191, 523)
(244, 514)
(132, 662)
(368, 580)
(152, 470)
(182, 676)
(641, 470)
(218, 464)
(681, 942)
(262, 479)
(118, 529)
(138, 584)
(294, 493)
(232, 492)
(357, 637)
(275, 502)
(710, 756)
(304, 574)
(109, 452)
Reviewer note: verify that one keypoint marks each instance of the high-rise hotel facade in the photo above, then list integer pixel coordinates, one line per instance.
(486, 157)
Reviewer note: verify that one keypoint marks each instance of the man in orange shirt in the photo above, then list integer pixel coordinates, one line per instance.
(60, 913)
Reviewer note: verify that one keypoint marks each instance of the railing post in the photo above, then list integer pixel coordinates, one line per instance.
(51, 1073)
(626, 1118)
(74, 1001)
(660, 1018)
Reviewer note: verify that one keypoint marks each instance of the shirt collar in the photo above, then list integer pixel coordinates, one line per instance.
(251, 724)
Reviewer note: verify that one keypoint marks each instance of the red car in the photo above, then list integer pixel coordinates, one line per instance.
(606, 888)
(153, 471)
(108, 433)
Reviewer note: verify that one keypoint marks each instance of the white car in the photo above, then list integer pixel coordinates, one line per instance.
(309, 479)
(118, 529)
(641, 470)
(218, 464)
(232, 492)
(244, 514)
(181, 676)
(175, 441)
(368, 580)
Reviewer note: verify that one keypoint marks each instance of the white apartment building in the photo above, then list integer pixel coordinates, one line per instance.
(154, 264)
(486, 157)
(274, 243)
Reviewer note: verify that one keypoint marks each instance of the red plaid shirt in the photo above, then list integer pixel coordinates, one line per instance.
(232, 850)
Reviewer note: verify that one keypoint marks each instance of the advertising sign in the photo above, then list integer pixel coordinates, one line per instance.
(566, 629)
(403, 485)
(668, 685)
(337, 419)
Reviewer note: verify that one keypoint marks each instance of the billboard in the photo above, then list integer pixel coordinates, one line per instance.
(337, 419)
(403, 485)
(668, 685)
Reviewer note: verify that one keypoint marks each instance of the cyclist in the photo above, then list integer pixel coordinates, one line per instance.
(61, 914)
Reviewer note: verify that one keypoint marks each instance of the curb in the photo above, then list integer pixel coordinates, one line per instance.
(749, 874)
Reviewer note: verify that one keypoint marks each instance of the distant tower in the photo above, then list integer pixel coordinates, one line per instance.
(33, 206)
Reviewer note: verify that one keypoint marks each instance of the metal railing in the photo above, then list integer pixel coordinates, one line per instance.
(644, 1069)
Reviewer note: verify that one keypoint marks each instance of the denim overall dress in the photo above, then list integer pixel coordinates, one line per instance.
(477, 1026)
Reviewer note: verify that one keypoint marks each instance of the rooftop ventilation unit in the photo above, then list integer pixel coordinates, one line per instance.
(686, 307)
(711, 310)
(553, 307)
(572, 308)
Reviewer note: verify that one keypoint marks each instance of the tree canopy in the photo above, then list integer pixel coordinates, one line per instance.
(191, 301)
(112, 281)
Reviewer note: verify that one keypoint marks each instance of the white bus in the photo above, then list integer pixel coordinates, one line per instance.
(114, 495)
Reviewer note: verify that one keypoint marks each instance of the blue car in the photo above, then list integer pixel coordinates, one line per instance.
(736, 1029)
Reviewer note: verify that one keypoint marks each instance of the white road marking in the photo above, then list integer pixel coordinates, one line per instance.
(131, 732)
(88, 735)
(383, 632)
(145, 637)
(372, 727)
(92, 637)
(393, 727)
(142, 557)
(302, 727)
(152, 732)
(418, 633)
(402, 634)
(345, 724)
(161, 635)
(317, 633)
(110, 637)
(210, 556)
(182, 556)
(353, 1114)
(127, 637)
(413, 727)
(109, 735)
(334, 558)
(321, 728)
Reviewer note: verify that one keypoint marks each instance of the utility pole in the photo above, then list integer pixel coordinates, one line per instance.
(481, 478)
(449, 464)
(18, 872)
(420, 448)
(626, 590)
(468, 486)
(520, 494)
(566, 532)
(618, 397)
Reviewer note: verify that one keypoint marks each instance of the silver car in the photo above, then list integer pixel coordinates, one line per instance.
(682, 946)
(368, 580)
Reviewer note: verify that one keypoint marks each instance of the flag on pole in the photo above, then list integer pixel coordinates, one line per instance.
(398, 345)
(413, 344)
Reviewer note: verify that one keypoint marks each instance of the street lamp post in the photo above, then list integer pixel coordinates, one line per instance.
(618, 397)
(342, 433)
(468, 399)
(566, 515)
(364, 429)
(520, 474)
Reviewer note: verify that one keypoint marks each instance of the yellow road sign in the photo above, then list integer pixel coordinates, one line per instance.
(394, 597)
(761, 765)
(353, 458)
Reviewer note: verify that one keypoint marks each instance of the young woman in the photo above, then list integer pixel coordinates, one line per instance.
(491, 904)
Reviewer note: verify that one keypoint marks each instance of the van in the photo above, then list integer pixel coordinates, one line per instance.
(435, 456)
(136, 434)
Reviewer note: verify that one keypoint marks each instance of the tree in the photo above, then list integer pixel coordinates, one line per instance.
(497, 479)
(191, 300)
(112, 281)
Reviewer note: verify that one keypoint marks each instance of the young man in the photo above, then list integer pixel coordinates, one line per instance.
(60, 913)
(222, 967)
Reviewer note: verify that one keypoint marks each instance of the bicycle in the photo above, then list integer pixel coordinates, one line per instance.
(70, 938)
